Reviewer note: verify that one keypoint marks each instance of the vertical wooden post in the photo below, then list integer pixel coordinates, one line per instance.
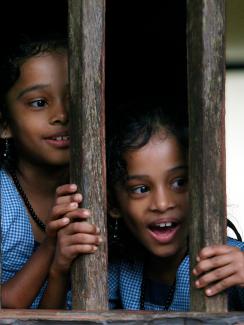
(86, 36)
(206, 85)
(1, 204)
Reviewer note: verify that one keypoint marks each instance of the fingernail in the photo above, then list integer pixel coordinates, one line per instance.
(208, 292)
(87, 213)
(74, 205)
(94, 248)
(66, 220)
(98, 230)
(197, 284)
(100, 240)
(78, 197)
(73, 187)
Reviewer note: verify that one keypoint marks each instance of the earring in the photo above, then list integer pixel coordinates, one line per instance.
(114, 236)
(116, 231)
(6, 148)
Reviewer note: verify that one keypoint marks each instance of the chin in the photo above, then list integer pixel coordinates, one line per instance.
(165, 252)
(60, 161)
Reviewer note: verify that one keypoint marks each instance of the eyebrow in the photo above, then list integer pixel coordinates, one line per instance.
(141, 176)
(32, 88)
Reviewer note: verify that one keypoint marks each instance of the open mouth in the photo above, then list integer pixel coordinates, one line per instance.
(59, 141)
(61, 138)
(163, 226)
(164, 231)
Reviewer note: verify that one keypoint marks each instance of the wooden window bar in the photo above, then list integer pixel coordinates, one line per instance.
(206, 77)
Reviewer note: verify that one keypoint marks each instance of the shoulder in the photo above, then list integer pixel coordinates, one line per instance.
(10, 197)
(125, 267)
(125, 278)
(13, 210)
(236, 243)
(7, 185)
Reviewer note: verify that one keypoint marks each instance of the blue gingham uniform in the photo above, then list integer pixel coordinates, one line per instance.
(18, 243)
(125, 279)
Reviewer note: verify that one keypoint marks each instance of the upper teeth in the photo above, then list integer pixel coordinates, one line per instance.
(64, 137)
(167, 224)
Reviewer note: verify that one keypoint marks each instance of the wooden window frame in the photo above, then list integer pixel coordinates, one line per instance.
(206, 78)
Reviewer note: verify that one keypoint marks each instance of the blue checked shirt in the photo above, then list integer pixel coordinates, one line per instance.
(125, 280)
(18, 243)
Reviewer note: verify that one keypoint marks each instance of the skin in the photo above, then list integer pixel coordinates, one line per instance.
(38, 110)
(218, 268)
(73, 239)
(38, 106)
(159, 166)
(155, 192)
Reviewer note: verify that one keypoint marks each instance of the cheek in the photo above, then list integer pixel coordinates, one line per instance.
(184, 202)
(131, 209)
(133, 216)
(21, 134)
(132, 225)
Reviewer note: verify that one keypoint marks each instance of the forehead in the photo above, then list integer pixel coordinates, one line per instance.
(43, 62)
(47, 68)
(163, 149)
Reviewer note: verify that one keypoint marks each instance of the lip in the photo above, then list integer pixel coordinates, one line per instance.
(164, 235)
(60, 133)
(58, 139)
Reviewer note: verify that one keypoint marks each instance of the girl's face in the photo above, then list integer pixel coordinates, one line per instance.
(38, 110)
(154, 199)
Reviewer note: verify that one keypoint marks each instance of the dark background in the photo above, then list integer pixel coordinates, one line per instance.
(145, 44)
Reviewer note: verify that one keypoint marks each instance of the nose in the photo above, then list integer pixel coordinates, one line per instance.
(59, 113)
(162, 200)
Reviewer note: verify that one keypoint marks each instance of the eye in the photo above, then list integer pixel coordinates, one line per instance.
(180, 184)
(139, 189)
(38, 103)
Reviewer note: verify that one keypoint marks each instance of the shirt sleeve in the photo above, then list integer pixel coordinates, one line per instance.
(236, 294)
(113, 283)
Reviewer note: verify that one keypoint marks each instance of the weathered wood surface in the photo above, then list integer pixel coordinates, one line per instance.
(206, 98)
(86, 36)
(117, 317)
(0, 242)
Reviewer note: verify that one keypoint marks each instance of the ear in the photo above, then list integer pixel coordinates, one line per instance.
(5, 131)
(114, 213)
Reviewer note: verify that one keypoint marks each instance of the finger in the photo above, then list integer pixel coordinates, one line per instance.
(66, 189)
(79, 227)
(212, 263)
(221, 285)
(78, 214)
(211, 251)
(60, 210)
(215, 275)
(72, 251)
(77, 197)
(83, 239)
(53, 226)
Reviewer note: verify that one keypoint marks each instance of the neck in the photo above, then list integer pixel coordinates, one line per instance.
(42, 179)
(164, 269)
(40, 185)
